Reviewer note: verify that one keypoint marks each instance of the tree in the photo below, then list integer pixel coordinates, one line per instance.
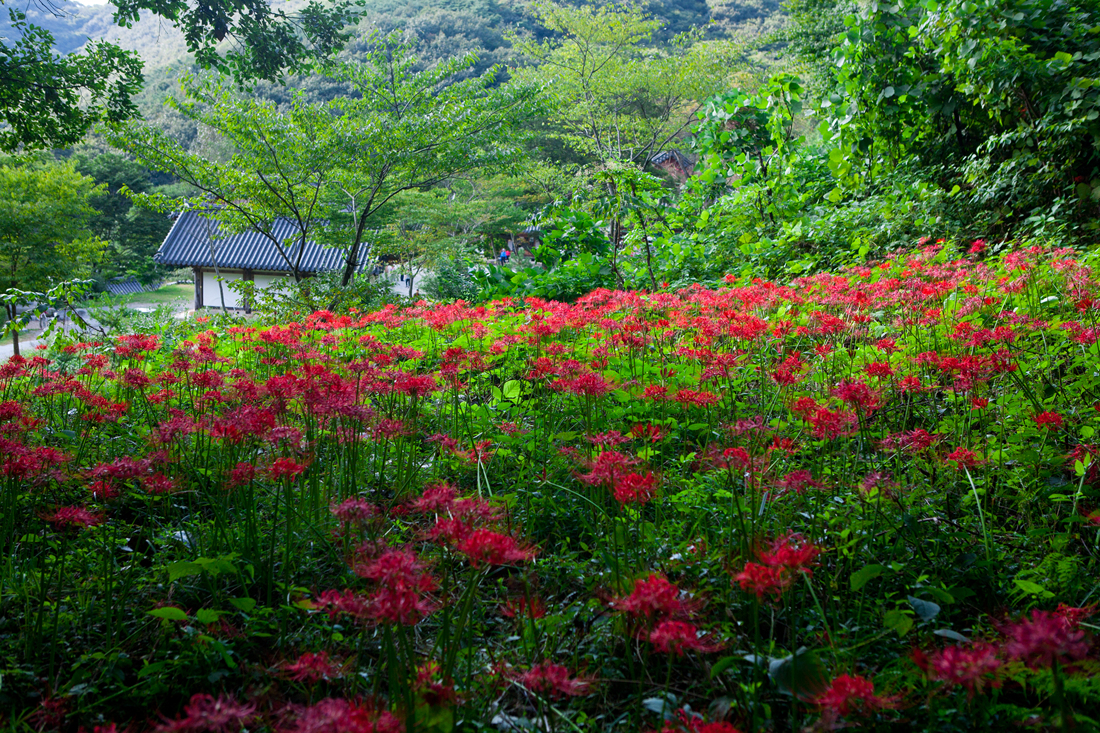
(48, 100)
(1000, 98)
(133, 233)
(330, 167)
(44, 238)
(614, 99)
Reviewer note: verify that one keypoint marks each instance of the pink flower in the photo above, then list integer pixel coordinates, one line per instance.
(73, 517)
(493, 548)
(334, 715)
(790, 552)
(634, 488)
(761, 580)
(553, 680)
(286, 468)
(853, 694)
(206, 713)
(312, 667)
(964, 458)
(1049, 420)
(652, 598)
(674, 637)
(970, 666)
(1044, 639)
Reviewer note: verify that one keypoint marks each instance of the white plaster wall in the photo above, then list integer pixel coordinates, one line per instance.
(266, 281)
(212, 297)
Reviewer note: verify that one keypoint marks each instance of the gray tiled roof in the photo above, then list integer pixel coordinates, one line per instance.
(188, 244)
(124, 286)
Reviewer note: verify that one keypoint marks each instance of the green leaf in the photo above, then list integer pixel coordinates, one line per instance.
(169, 613)
(722, 665)
(182, 569)
(245, 605)
(511, 389)
(898, 620)
(927, 610)
(865, 575)
(802, 674)
(1032, 589)
(207, 615)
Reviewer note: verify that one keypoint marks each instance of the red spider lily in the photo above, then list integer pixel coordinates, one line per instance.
(1072, 617)
(690, 722)
(634, 488)
(436, 498)
(208, 714)
(336, 715)
(607, 468)
(415, 386)
(589, 384)
(762, 580)
(123, 468)
(241, 474)
(858, 394)
(791, 552)
(553, 680)
(655, 392)
(647, 432)
(159, 484)
(335, 602)
(695, 398)
(964, 458)
(652, 598)
(311, 668)
(1049, 420)
(973, 666)
(1044, 639)
(354, 512)
(609, 439)
(103, 490)
(797, 481)
(396, 567)
(450, 530)
(484, 546)
(675, 637)
(520, 607)
(286, 468)
(790, 371)
(914, 441)
(73, 517)
(880, 369)
(852, 694)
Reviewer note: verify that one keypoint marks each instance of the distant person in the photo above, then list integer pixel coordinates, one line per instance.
(503, 257)
(507, 255)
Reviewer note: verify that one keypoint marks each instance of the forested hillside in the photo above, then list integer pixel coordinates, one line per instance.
(444, 27)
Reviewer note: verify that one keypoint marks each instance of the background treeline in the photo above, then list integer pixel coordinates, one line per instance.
(710, 139)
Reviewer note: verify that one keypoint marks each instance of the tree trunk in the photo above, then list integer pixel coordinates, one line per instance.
(14, 332)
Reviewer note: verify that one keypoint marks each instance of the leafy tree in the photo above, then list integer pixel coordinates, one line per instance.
(998, 97)
(45, 208)
(614, 98)
(133, 233)
(330, 167)
(48, 100)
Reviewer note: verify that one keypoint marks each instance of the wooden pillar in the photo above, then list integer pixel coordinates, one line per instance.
(198, 286)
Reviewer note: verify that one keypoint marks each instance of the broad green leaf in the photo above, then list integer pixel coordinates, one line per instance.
(899, 621)
(169, 613)
(865, 575)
